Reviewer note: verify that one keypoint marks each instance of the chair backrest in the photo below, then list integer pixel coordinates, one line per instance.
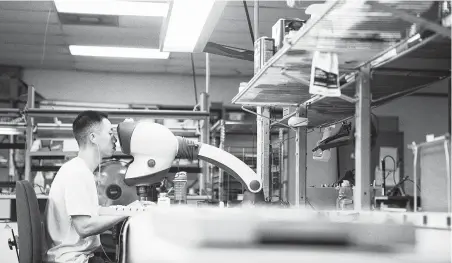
(29, 223)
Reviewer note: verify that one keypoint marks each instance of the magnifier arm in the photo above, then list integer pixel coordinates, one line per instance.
(232, 165)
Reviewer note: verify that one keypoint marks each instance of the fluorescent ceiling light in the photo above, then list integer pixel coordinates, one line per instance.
(189, 31)
(118, 52)
(111, 7)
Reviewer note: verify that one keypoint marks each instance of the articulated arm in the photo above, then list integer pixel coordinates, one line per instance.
(154, 148)
(226, 161)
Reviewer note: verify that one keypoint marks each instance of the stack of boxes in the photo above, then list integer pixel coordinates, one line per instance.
(265, 47)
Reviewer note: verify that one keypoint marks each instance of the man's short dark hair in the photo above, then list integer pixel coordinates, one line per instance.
(84, 124)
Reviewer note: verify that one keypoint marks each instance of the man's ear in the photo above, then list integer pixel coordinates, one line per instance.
(92, 138)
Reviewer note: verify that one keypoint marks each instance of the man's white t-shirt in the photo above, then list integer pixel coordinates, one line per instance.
(73, 192)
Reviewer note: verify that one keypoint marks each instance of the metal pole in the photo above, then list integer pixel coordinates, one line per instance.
(281, 163)
(14, 89)
(300, 161)
(204, 139)
(220, 171)
(12, 167)
(263, 148)
(256, 19)
(448, 174)
(29, 134)
(207, 73)
(362, 194)
(415, 153)
(285, 168)
(121, 114)
(450, 144)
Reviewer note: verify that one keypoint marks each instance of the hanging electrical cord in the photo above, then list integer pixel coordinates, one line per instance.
(249, 21)
(194, 78)
(195, 88)
(45, 36)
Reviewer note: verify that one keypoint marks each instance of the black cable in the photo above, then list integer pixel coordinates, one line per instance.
(415, 184)
(194, 78)
(393, 160)
(249, 21)
(377, 122)
(395, 168)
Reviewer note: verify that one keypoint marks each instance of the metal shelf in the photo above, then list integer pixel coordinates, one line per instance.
(360, 32)
(52, 130)
(239, 127)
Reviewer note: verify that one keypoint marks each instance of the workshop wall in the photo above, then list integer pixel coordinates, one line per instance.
(128, 88)
(418, 115)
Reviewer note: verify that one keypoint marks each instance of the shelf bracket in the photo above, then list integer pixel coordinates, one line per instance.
(444, 31)
(348, 98)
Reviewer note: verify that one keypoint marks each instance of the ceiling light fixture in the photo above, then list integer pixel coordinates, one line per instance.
(118, 52)
(189, 31)
(110, 7)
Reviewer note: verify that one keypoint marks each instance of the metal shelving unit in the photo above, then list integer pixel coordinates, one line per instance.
(376, 42)
(33, 130)
(219, 132)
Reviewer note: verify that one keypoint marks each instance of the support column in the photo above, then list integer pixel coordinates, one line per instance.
(29, 134)
(14, 95)
(263, 148)
(362, 194)
(300, 161)
(450, 141)
(281, 164)
(220, 171)
(285, 168)
(256, 19)
(204, 102)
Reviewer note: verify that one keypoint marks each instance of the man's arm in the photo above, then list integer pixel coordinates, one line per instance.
(93, 225)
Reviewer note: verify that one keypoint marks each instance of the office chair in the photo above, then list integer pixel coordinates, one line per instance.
(29, 223)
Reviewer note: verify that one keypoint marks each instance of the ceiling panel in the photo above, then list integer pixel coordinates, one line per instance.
(113, 41)
(94, 31)
(32, 39)
(30, 28)
(111, 36)
(240, 26)
(29, 16)
(35, 56)
(265, 14)
(24, 48)
(27, 5)
(274, 3)
(47, 64)
(148, 23)
(118, 67)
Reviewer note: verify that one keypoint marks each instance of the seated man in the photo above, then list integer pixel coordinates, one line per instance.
(72, 221)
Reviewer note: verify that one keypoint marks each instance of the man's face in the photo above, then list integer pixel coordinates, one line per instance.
(106, 139)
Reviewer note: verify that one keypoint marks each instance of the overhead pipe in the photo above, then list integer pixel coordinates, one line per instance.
(118, 114)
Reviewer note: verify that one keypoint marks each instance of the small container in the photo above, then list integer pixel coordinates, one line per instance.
(283, 28)
(264, 49)
(163, 200)
(180, 188)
